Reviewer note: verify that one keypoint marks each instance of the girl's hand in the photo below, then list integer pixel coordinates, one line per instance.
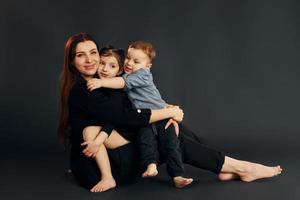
(175, 124)
(91, 148)
(94, 84)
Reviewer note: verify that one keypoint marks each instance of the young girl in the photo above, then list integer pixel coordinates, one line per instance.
(110, 61)
(138, 83)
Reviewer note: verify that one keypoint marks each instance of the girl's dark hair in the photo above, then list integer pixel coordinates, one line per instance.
(110, 50)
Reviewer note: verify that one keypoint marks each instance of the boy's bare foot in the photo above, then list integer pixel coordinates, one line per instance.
(181, 182)
(151, 171)
(254, 171)
(104, 185)
(227, 176)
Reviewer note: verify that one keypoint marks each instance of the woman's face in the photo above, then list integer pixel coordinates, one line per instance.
(108, 67)
(86, 59)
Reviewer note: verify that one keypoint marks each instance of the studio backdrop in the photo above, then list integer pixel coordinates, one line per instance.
(233, 66)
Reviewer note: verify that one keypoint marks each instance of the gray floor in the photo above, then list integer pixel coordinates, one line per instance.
(38, 171)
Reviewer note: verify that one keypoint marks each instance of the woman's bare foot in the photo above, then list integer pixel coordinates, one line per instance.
(254, 171)
(104, 185)
(181, 182)
(150, 171)
(227, 176)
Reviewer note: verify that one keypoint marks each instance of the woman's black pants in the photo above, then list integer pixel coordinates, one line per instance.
(125, 160)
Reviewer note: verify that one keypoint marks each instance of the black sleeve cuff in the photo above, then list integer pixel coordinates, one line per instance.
(144, 116)
(107, 128)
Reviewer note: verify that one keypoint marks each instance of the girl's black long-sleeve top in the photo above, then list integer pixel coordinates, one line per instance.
(104, 107)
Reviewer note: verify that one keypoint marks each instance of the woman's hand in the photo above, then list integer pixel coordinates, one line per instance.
(169, 105)
(178, 114)
(175, 124)
(94, 84)
(91, 148)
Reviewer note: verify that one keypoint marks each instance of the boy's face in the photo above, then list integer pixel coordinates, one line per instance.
(135, 60)
(108, 67)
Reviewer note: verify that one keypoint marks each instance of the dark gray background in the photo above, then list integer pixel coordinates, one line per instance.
(233, 66)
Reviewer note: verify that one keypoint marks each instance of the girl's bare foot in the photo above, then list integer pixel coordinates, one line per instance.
(227, 176)
(254, 171)
(104, 185)
(181, 182)
(151, 171)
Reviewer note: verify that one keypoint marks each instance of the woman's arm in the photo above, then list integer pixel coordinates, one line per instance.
(95, 136)
(171, 112)
(106, 108)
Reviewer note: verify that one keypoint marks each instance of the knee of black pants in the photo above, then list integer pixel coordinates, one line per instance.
(124, 163)
(201, 155)
(85, 171)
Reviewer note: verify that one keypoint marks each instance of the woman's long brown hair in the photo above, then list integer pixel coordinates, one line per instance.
(67, 79)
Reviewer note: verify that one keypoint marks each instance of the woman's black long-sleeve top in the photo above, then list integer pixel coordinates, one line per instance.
(105, 107)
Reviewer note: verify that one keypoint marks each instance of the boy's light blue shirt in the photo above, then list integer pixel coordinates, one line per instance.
(141, 90)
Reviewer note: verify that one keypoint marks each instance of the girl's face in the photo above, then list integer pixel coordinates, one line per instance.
(86, 59)
(135, 60)
(108, 67)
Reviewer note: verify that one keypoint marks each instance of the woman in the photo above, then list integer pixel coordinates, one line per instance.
(81, 108)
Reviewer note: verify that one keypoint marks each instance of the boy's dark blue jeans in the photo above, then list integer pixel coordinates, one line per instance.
(157, 144)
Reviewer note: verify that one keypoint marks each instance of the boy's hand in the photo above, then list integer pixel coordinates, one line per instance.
(175, 124)
(94, 84)
(91, 148)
